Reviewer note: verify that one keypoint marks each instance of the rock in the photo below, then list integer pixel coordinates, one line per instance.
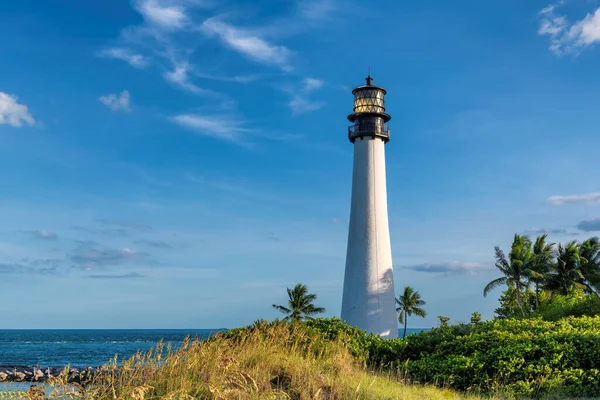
(38, 375)
(20, 376)
(3, 376)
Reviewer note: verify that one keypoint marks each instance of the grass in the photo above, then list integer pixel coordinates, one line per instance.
(266, 361)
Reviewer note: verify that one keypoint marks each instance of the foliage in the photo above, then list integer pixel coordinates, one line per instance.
(268, 360)
(540, 264)
(475, 318)
(443, 320)
(409, 303)
(516, 268)
(300, 304)
(577, 303)
(508, 303)
(528, 357)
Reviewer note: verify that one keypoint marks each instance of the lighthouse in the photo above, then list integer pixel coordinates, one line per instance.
(368, 300)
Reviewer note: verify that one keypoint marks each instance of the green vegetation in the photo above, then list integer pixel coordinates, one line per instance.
(564, 270)
(409, 303)
(527, 357)
(269, 360)
(300, 304)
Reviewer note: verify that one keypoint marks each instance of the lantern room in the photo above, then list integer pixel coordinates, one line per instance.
(369, 116)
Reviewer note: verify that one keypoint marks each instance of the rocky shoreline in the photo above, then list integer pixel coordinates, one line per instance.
(37, 374)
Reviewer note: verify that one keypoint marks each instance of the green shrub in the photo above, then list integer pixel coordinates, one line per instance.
(529, 357)
(577, 304)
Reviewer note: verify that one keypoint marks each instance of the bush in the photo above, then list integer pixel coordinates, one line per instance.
(520, 356)
(528, 356)
(577, 304)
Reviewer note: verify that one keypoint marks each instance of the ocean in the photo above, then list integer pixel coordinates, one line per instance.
(82, 348)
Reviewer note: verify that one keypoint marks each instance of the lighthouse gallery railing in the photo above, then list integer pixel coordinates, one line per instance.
(374, 130)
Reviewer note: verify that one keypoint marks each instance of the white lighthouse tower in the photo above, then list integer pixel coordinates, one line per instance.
(368, 300)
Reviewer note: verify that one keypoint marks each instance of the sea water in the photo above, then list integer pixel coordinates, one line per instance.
(82, 348)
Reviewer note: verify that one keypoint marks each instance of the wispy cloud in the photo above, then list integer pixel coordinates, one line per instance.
(316, 9)
(157, 244)
(112, 232)
(112, 228)
(248, 43)
(588, 198)
(43, 234)
(221, 127)
(165, 15)
(300, 102)
(541, 231)
(162, 19)
(453, 267)
(89, 258)
(566, 37)
(127, 225)
(125, 54)
(25, 266)
(131, 275)
(310, 84)
(116, 102)
(300, 105)
(13, 113)
(180, 77)
(589, 225)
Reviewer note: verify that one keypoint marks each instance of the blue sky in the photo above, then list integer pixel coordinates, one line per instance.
(179, 163)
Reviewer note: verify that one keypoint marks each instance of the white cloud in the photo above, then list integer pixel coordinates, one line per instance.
(588, 198)
(221, 127)
(43, 234)
(565, 37)
(179, 76)
(300, 105)
(13, 113)
(316, 9)
(170, 17)
(116, 102)
(452, 267)
(248, 43)
(311, 84)
(589, 225)
(127, 55)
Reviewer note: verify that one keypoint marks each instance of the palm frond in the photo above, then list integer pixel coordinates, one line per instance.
(494, 284)
(282, 309)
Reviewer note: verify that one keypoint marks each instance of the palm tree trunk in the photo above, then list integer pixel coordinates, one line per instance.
(405, 321)
(592, 290)
(537, 298)
(518, 287)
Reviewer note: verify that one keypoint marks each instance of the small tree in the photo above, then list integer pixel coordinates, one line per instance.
(300, 304)
(443, 321)
(409, 303)
(475, 318)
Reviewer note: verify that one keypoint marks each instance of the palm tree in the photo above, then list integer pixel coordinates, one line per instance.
(409, 303)
(300, 304)
(566, 273)
(540, 264)
(589, 252)
(515, 268)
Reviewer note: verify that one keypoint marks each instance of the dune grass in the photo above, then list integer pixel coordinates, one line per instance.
(266, 361)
